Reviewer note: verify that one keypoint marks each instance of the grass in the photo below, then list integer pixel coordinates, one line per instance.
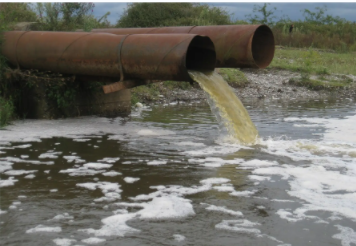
(6, 111)
(234, 77)
(314, 61)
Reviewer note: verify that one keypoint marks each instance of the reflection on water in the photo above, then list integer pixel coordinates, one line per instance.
(165, 176)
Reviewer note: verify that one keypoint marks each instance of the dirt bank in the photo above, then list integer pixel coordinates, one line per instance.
(268, 83)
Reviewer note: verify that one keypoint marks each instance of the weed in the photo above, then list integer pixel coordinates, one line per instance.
(6, 111)
(234, 77)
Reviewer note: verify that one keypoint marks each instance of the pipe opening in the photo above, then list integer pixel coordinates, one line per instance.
(263, 46)
(201, 54)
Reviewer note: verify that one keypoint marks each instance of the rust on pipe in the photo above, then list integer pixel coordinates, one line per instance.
(140, 56)
(236, 45)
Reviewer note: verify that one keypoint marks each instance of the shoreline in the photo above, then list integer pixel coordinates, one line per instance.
(263, 84)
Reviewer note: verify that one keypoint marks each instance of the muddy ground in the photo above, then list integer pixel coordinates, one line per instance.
(267, 83)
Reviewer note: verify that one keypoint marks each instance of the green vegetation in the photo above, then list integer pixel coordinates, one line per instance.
(6, 111)
(61, 91)
(234, 77)
(172, 14)
(314, 61)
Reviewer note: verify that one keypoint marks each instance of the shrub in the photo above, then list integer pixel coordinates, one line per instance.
(172, 14)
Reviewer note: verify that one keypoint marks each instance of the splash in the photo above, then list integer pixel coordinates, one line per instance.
(226, 106)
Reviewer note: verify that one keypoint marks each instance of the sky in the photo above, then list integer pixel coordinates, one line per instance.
(239, 10)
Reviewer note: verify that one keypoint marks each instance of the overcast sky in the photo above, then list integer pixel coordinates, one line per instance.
(239, 10)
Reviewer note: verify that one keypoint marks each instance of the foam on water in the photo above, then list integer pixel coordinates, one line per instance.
(8, 182)
(64, 241)
(111, 190)
(347, 235)
(19, 172)
(96, 165)
(111, 173)
(109, 159)
(93, 240)
(222, 209)
(42, 228)
(131, 180)
(178, 237)
(156, 163)
(169, 207)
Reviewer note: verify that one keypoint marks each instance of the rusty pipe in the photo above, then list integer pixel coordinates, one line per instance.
(235, 45)
(129, 57)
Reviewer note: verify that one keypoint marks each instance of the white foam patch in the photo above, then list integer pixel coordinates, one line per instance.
(222, 149)
(111, 190)
(24, 156)
(222, 209)
(111, 173)
(5, 165)
(81, 171)
(42, 228)
(53, 190)
(3, 211)
(19, 160)
(347, 235)
(73, 158)
(50, 155)
(131, 180)
(96, 165)
(258, 178)
(109, 159)
(7, 182)
(169, 207)
(126, 162)
(178, 190)
(81, 139)
(64, 216)
(224, 188)
(214, 162)
(158, 132)
(243, 193)
(178, 237)
(30, 176)
(19, 172)
(156, 163)
(257, 163)
(243, 225)
(23, 146)
(114, 226)
(21, 197)
(187, 143)
(336, 129)
(93, 240)
(64, 241)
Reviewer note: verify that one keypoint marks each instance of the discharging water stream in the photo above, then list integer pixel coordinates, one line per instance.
(167, 175)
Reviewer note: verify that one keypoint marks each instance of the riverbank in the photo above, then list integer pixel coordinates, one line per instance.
(268, 83)
(294, 74)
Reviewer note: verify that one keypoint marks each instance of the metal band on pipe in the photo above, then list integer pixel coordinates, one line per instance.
(119, 57)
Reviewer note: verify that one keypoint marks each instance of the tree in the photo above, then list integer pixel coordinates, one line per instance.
(262, 15)
(320, 18)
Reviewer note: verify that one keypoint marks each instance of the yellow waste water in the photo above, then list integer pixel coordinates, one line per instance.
(226, 106)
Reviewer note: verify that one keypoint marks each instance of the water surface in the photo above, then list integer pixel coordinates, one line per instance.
(169, 176)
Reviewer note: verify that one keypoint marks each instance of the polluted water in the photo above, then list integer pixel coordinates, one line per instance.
(229, 111)
(160, 177)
